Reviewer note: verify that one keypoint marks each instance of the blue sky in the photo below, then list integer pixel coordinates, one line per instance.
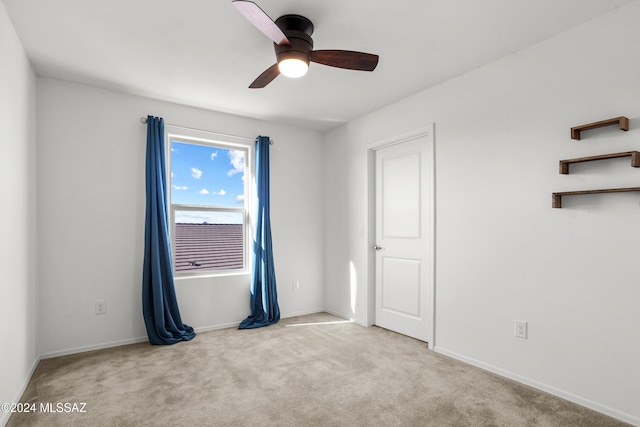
(206, 175)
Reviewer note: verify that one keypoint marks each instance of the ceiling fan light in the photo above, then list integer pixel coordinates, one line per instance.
(293, 67)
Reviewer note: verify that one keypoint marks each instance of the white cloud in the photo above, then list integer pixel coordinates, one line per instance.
(196, 173)
(203, 191)
(240, 198)
(177, 187)
(220, 193)
(236, 158)
(214, 155)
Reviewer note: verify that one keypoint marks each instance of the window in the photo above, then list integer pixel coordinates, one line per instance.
(210, 177)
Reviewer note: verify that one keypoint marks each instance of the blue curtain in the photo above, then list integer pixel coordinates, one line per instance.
(264, 295)
(159, 303)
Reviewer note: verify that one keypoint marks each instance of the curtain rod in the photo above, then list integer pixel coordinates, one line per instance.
(144, 121)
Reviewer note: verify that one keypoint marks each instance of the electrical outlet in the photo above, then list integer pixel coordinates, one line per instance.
(101, 307)
(295, 285)
(520, 329)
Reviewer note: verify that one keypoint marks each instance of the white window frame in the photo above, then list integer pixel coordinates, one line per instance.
(230, 142)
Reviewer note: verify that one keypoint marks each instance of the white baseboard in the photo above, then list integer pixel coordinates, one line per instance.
(544, 387)
(101, 346)
(302, 313)
(216, 327)
(92, 347)
(4, 416)
(335, 313)
(236, 324)
(346, 317)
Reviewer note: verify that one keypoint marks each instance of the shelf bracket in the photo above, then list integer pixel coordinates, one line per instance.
(621, 121)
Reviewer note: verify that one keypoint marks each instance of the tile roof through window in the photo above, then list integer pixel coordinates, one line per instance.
(204, 247)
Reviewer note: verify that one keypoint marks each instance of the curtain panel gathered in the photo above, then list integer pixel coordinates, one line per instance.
(159, 302)
(264, 295)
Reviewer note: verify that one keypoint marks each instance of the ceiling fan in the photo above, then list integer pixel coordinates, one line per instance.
(291, 35)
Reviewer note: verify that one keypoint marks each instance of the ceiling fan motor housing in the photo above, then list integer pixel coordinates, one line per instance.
(293, 46)
(298, 30)
(295, 23)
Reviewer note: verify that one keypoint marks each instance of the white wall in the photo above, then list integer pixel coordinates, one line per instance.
(18, 315)
(91, 159)
(502, 252)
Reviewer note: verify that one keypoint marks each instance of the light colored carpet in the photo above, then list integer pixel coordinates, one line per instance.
(314, 370)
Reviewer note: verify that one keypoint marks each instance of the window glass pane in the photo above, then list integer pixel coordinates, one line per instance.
(206, 175)
(207, 194)
(215, 242)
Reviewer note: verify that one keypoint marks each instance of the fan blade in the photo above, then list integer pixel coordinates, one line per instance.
(261, 21)
(345, 59)
(266, 77)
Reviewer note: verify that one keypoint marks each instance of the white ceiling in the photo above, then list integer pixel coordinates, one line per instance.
(203, 53)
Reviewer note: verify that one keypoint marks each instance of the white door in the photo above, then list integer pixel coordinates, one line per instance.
(404, 237)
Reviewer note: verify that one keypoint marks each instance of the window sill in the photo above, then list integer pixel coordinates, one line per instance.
(187, 276)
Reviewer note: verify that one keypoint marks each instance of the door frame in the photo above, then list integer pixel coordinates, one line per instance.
(428, 132)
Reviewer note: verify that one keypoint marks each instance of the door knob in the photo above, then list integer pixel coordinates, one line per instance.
(377, 247)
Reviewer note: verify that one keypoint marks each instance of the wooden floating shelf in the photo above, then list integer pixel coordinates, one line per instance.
(622, 121)
(557, 197)
(635, 160)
